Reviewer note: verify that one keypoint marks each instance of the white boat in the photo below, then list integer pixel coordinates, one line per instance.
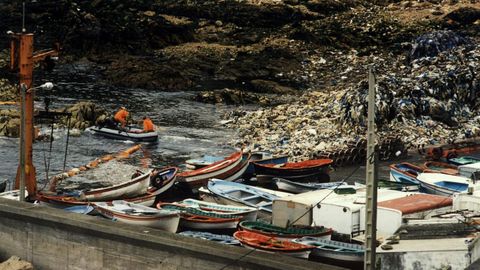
(243, 194)
(444, 184)
(161, 180)
(130, 133)
(12, 194)
(135, 187)
(298, 187)
(197, 219)
(134, 214)
(248, 213)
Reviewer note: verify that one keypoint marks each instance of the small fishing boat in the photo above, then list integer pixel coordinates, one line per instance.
(195, 218)
(134, 214)
(219, 238)
(130, 133)
(405, 173)
(387, 184)
(297, 187)
(262, 157)
(228, 169)
(334, 252)
(248, 213)
(291, 232)
(315, 170)
(443, 184)
(12, 194)
(197, 163)
(161, 180)
(441, 167)
(129, 189)
(272, 245)
(243, 194)
(458, 161)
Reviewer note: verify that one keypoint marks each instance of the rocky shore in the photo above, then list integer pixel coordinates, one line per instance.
(304, 62)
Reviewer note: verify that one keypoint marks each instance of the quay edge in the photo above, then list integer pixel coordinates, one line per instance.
(54, 239)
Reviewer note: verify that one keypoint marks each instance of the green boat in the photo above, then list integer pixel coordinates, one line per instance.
(464, 160)
(285, 233)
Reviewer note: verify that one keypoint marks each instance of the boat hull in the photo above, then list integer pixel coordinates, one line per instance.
(164, 221)
(310, 170)
(135, 187)
(229, 169)
(138, 135)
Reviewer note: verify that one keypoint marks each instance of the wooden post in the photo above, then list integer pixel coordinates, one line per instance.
(371, 200)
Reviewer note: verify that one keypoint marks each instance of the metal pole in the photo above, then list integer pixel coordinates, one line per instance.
(23, 89)
(371, 200)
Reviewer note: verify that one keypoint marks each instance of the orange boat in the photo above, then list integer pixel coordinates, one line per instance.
(272, 245)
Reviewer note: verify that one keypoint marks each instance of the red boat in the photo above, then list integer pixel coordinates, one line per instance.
(315, 170)
(228, 169)
(272, 245)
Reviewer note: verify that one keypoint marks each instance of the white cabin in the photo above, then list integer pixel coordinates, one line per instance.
(342, 212)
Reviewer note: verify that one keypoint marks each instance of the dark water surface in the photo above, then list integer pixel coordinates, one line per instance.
(188, 129)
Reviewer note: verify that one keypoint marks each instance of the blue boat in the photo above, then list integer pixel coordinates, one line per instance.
(219, 238)
(405, 173)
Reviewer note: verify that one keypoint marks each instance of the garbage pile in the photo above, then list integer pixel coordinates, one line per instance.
(429, 100)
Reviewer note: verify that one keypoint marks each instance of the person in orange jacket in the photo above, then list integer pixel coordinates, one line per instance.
(121, 116)
(147, 124)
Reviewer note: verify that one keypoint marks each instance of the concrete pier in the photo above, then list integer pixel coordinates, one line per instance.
(55, 239)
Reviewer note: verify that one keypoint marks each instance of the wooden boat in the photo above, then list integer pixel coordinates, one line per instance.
(441, 167)
(262, 157)
(134, 214)
(290, 232)
(243, 194)
(443, 184)
(219, 238)
(315, 170)
(248, 213)
(195, 218)
(458, 161)
(405, 173)
(228, 169)
(205, 160)
(334, 252)
(130, 133)
(297, 187)
(12, 194)
(272, 245)
(161, 180)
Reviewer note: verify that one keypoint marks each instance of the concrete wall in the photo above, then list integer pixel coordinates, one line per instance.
(55, 239)
(423, 260)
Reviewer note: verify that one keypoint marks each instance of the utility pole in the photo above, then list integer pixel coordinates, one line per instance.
(23, 58)
(371, 200)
